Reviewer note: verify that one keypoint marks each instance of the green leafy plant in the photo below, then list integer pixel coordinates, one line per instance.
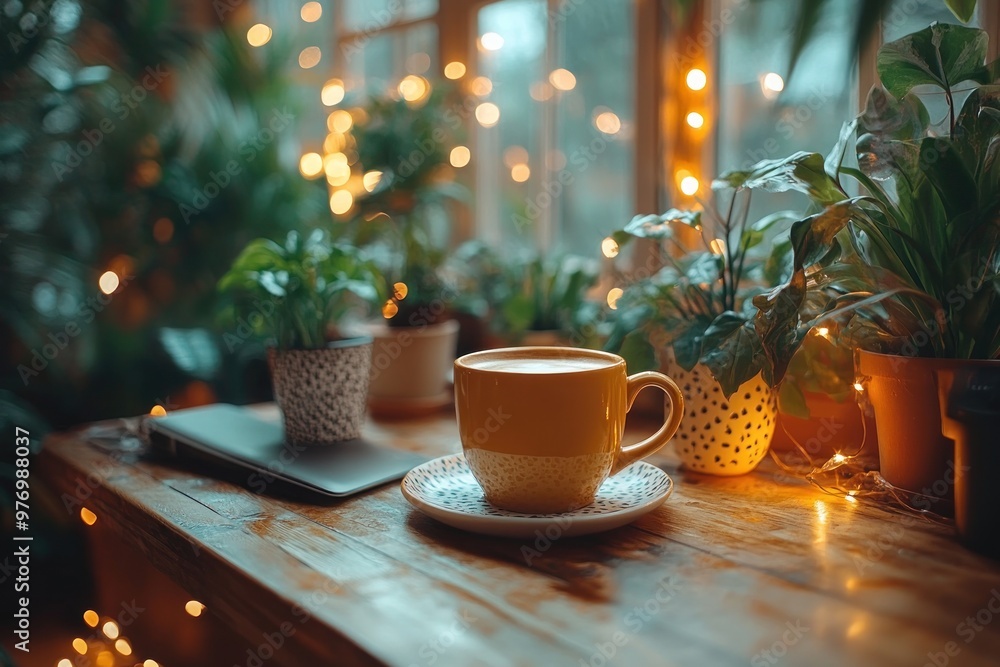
(911, 265)
(404, 147)
(699, 303)
(294, 292)
(531, 293)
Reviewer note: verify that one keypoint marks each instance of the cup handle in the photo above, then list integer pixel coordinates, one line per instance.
(640, 450)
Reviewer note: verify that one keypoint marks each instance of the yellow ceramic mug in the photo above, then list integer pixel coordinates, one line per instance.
(542, 427)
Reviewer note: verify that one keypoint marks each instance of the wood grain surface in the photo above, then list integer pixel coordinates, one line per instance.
(756, 570)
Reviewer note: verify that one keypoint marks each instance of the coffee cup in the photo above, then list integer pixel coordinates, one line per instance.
(542, 427)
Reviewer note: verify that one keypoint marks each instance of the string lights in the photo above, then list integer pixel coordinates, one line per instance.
(105, 646)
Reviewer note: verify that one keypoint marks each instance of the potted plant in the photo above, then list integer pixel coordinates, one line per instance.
(913, 259)
(695, 314)
(296, 294)
(402, 214)
(529, 299)
(819, 415)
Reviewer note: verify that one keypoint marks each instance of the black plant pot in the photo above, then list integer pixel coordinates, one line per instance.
(970, 415)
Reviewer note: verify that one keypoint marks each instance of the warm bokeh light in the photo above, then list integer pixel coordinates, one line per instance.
(418, 63)
(515, 155)
(562, 79)
(389, 309)
(310, 57)
(105, 659)
(88, 518)
(520, 172)
(488, 114)
(772, 82)
(111, 630)
(91, 618)
(540, 91)
(334, 143)
(108, 282)
(460, 156)
(158, 411)
(555, 159)
(413, 87)
(614, 294)
(718, 246)
(65, 662)
(310, 165)
(341, 202)
(454, 70)
(337, 171)
(359, 115)
(399, 291)
(695, 120)
(696, 79)
(481, 86)
(333, 92)
(608, 122)
(259, 35)
(150, 663)
(609, 247)
(194, 608)
(339, 121)
(163, 230)
(491, 41)
(123, 647)
(311, 12)
(371, 179)
(80, 645)
(689, 185)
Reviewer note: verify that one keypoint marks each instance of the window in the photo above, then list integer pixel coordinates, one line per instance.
(584, 119)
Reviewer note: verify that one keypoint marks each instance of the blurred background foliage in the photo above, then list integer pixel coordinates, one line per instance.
(145, 139)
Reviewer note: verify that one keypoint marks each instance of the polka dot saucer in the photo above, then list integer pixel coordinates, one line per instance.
(445, 490)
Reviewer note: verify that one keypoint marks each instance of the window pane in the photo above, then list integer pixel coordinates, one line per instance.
(370, 16)
(376, 64)
(596, 124)
(762, 115)
(513, 147)
(556, 170)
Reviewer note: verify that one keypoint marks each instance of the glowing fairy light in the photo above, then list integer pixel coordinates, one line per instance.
(609, 247)
(460, 156)
(696, 79)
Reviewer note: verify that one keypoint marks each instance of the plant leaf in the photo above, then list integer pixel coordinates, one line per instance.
(777, 322)
(791, 400)
(943, 55)
(734, 357)
(962, 9)
(638, 353)
(800, 171)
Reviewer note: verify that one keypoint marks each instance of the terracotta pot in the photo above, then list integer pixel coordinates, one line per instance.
(321, 393)
(913, 453)
(722, 436)
(831, 427)
(411, 368)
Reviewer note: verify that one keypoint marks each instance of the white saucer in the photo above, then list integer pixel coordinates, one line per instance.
(446, 490)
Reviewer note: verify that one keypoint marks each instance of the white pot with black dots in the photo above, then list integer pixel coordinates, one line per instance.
(721, 436)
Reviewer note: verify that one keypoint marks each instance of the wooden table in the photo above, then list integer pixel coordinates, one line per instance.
(747, 570)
